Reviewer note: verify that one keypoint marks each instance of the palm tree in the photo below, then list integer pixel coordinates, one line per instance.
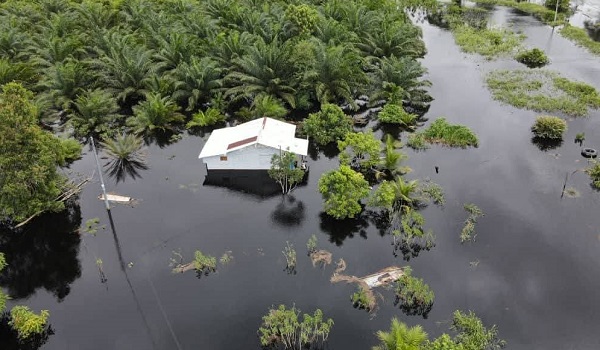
(174, 48)
(95, 111)
(230, 46)
(126, 156)
(126, 67)
(400, 78)
(95, 15)
(265, 69)
(335, 72)
(13, 43)
(196, 82)
(263, 106)
(19, 72)
(403, 193)
(63, 82)
(393, 39)
(156, 112)
(390, 162)
(54, 49)
(401, 337)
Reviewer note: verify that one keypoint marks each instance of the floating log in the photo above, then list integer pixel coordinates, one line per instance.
(116, 198)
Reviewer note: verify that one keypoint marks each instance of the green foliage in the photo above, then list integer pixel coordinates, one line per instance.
(363, 299)
(204, 263)
(342, 190)
(92, 225)
(124, 149)
(417, 141)
(413, 295)
(434, 191)
(282, 327)
(289, 252)
(395, 114)
(468, 231)
(390, 164)
(539, 11)
(359, 150)
(563, 5)
(311, 245)
(263, 106)
(26, 322)
(473, 335)
(95, 112)
(3, 297)
(533, 58)
(489, 43)
(284, 171)
(29, 156)
(156, 112)
(580, 137)
(395, 195)
(303, 17)
(542, 90)
(328, 125)
(440, 131)
(211, 116)
(401, 337)
(594, 173)
(71, 150)
(226, 258)
(580, 37)
(549, 127)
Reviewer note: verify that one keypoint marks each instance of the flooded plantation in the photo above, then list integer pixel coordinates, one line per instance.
(531, 269)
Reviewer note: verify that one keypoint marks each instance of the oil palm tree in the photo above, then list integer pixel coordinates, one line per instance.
(63, 81)
(230, 46)
(23, 73)
(265, 69)
(156, 112)
(401, 337)
(196, 82)
(94, 15)
(13, 42)
(54, 49)
(174, 48)
(95, 112)
(335, 72)
(400, 78)
(389, 164)
(393, 39)
(126, 156)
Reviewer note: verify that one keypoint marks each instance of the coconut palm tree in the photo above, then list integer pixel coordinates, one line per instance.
(403, 193)
(265, 69)
(401, 337)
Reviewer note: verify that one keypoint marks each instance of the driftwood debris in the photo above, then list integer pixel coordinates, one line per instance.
(321, 257)
(116, 198)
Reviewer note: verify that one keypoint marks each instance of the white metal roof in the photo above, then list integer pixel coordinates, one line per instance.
(264, 131)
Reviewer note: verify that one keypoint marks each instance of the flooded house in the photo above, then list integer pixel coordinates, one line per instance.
(239, 156)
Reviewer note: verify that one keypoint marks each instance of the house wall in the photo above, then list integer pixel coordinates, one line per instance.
(253, 157)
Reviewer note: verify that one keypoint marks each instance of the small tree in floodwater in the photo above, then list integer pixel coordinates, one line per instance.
(285, 172)
(282, 329)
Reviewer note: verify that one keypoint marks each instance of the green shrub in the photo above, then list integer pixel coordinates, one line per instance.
(395, 114)
(594, 174)
(328, 125)
(542, 90)
(26, 322)
(563, 5)
(533, 58)
(204, 263)
(413, 295)
(363, 298)
(440, 131)
(282, 326)
(211, 116)
(549, 127)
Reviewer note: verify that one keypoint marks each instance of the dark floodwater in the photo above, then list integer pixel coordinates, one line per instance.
(538, 255)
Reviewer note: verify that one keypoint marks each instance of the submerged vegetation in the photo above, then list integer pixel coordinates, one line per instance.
(533, 58)
(541, 12)
(543, 91)
(549, 127)
(594, 173)
(413, 296)
(363, 298)
(289, 252)
(442, 132)
(283, 328)
(342, 191)
(468, 231)
(488, 42)
(581, 38)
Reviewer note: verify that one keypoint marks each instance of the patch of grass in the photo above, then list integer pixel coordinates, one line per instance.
(580, 37)
(468, 231)
(440, 131)
(539, 11)
(417, 141)
(490, 43)
(594, 173)
(533, 58)
(543, 91)
(549, 127)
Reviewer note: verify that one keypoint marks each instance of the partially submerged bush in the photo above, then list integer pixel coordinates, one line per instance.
(26, 322)
(413, 296)
(204, 263)
(542, 90)
(342, 191)
(549, 127)
(395, 114)
(533, 58)
(417, 141)
(594, 174)
(363, 298)
(282, 327)
(440, 131)
(328, 125)
(468, 231)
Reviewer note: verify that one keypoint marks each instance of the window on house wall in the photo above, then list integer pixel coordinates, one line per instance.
(223, 158)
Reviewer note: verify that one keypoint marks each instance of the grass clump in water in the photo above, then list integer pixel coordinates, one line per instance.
(549, 127)
(489, 43)
(468, 231)
(417, 141)
(395, 114)
(204, 263)
(452, 135)
(533, 58)
(543, 91)
(594, 174)
(580, 37)
(363, 298)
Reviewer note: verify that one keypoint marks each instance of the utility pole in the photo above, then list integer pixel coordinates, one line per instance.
(556, 11)
(100, 172)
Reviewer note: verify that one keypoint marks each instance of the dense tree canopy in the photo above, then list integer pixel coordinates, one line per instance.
(342, 191)
(29, 157)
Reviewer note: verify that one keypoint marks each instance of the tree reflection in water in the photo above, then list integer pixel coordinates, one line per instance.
(289, 212)
(43, 254)
(339, 230)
